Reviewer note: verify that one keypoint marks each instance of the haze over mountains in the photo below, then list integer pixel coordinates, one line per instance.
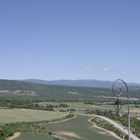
(80, 83)
(36, 91)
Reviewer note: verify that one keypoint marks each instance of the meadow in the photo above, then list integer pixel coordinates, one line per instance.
(73, 129)
(78, 128)
(28, 115)
(97, 105)
(31, 136)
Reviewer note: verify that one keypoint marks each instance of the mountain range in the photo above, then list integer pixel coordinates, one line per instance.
(41, 90)
(81, 83)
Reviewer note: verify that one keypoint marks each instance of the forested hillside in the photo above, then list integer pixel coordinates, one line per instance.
(20, 89)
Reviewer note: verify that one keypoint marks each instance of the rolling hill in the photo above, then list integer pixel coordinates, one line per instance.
(81, 83)
(26, 90)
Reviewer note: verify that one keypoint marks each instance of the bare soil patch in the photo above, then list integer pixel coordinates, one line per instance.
(65, 134)
(16, 135)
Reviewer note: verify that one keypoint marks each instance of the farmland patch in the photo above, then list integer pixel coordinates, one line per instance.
(28, 115)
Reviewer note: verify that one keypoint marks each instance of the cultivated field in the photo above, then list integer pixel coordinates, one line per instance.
(30, 136)
(74, 129)
(78, 128)
(82, 105)
(27, 115)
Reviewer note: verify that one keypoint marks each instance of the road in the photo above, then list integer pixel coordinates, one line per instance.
(118, 126)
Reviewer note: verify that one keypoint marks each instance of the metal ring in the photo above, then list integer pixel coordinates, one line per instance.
(113, 87)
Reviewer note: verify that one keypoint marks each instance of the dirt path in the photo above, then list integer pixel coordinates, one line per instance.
(106, 131)
(66, 134)
(118, 126)
(16, 135)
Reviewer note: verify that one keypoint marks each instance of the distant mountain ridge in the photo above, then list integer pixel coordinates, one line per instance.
(13, 89)
(81, 83)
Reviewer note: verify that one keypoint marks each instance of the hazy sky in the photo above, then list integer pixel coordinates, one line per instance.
(70, 39)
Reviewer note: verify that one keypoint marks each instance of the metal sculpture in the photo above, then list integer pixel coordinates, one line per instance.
(118, 88)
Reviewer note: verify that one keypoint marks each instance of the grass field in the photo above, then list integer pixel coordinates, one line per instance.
(75, 129)
(78, 128)
(81, 105)
(30, 136)
(27, 115)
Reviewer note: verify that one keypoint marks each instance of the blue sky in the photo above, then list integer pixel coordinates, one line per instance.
(70, 39)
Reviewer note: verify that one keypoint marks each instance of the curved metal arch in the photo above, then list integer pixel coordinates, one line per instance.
(114, 83)
(113, 86)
